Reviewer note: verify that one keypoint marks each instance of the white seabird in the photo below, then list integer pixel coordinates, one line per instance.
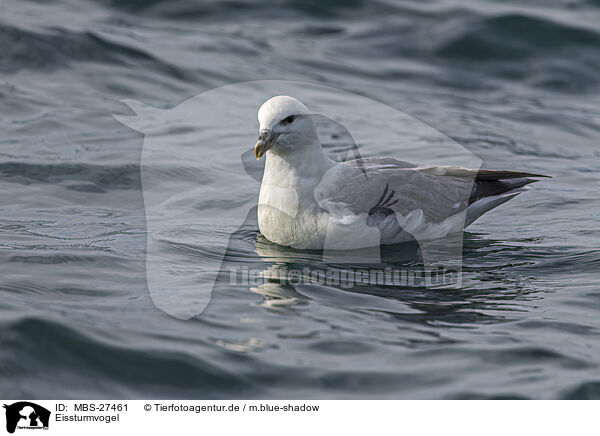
(309, 201)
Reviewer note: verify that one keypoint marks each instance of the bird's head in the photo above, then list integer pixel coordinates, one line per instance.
(285, 125)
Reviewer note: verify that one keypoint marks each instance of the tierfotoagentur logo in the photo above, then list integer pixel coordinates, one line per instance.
(25, 415)
(344, 278)
(215, 133)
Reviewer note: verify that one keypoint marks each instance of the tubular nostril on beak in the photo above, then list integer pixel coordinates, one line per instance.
(264, 134)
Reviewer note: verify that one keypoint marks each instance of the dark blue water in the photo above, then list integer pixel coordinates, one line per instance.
(516, 83)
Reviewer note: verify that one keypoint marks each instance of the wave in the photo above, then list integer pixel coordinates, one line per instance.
(90, 357)
(55, 48)
(514, 37)
(186, 9)
(98, 178)
(584, 391)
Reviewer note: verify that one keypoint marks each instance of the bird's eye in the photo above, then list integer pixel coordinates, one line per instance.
(288, 120)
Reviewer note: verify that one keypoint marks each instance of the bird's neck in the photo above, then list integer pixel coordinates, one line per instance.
(301, 165)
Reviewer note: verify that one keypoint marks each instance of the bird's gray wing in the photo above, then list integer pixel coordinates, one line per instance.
(385, 185)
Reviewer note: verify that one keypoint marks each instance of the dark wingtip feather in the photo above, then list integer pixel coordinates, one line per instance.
(483, 188)
(503, 174)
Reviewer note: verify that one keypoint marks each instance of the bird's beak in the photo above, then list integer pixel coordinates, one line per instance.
(266, 140)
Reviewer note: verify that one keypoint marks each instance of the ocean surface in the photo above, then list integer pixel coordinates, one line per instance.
(517, 83)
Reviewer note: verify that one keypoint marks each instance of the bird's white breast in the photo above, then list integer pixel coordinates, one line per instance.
(287, 211)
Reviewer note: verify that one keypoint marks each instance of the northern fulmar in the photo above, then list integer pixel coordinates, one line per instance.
(309, 201)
